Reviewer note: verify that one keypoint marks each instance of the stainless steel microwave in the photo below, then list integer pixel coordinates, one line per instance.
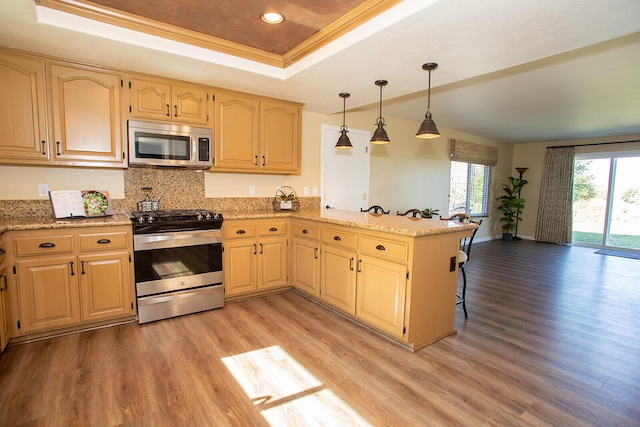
(170, 145)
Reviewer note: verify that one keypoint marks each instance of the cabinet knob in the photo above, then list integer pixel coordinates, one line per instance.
(337, 238)
(305, 231)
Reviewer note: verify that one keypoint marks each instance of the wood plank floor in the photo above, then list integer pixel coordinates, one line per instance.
(552, 339)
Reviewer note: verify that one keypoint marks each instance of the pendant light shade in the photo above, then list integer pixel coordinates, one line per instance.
(428, 127)
(380, 135)
(343, 140)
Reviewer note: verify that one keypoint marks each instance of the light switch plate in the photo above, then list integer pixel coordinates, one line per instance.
(315, 191)
(252, 190)
(43, 190)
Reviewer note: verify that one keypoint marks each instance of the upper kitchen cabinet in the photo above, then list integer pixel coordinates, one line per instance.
(23, 115)
(59, 114)
(86, 123)
(165, 100)
(256, 135)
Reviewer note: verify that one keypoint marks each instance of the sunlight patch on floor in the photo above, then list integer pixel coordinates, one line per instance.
(286, 393)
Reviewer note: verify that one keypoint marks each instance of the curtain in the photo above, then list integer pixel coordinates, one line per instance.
(556, 190)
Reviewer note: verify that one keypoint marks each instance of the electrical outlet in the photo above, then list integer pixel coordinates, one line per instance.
(43, 190)
(315, 191)
(252, 190)
(306, 191)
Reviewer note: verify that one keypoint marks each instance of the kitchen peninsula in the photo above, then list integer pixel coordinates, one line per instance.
(395, 274)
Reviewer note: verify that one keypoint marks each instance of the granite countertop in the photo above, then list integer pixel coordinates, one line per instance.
(395, 224)
(42, 223)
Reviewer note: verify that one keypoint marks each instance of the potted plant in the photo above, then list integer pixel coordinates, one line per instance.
(511, 206)
(429, 212)
(286, 195)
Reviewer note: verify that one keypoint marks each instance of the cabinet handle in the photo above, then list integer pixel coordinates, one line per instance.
(315, 253)
(260, 248)
(103, 241)
(1, 251)
(175, 111)
(380, 248)
(71, 265)
(81, 267)
(168, 114)
(44, 146)
(4, 282)
(256, 162)
(58, 148)
(351, 264)
(273, 229)
(47, 245)
(254, 249)
(240, 232)
(305, 231)
(263, 161)
(337, 238)
(359, 266)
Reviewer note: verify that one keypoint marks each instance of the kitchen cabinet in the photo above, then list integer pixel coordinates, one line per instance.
(256, 135)
(71, 278)
(166, 100)
(305, 257)
(5, 332)
(338, 261)
(61, 114)
(255, 256)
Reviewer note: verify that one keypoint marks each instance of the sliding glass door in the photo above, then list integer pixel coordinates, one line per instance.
(606, 201)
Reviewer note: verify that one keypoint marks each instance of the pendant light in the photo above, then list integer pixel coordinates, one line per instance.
(343, 141)
(428, 127)
(380, 135)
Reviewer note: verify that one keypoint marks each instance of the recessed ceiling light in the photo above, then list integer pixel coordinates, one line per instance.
(272, 17)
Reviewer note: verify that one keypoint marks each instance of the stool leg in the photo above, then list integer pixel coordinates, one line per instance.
(464, 291)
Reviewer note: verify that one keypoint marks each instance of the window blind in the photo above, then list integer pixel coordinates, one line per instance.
(468, 152)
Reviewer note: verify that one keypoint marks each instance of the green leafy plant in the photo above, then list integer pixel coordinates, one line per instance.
(286, 196)
(511, 204)
(429, 212)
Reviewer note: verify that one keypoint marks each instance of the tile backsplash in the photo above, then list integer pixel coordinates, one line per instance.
(177, 189)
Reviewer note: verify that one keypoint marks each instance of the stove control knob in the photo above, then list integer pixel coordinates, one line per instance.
(141, 219)
(199, 217)
(208, 216)
(150, 219)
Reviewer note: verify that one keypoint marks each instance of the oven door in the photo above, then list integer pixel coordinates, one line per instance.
(166, 262)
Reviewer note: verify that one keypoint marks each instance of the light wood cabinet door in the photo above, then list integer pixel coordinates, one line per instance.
(280, 139)
(105, 289)
(381, 287)
(237, 132)
(160, 99)
(273, 261)
(190, 104)
(150, 99)
(5, 331)
(305, 266)
(23, 114)
(48, 289)
(338, 278)
(240, 266)
(86, 113)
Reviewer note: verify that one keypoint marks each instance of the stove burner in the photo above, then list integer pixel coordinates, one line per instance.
(175, 220)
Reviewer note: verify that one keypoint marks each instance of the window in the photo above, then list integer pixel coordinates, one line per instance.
(469, 189)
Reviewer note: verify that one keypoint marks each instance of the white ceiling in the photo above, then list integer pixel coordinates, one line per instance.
(512, 71)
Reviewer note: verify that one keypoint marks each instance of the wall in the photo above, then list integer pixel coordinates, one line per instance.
(531, 155)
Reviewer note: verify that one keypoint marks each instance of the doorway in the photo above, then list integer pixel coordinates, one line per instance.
(345, 173)
(606, 201)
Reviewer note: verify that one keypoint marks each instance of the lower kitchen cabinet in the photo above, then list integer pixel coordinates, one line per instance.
(305, 257)
(255, 255)
(5, 332)
(70, 278)
(338, 259)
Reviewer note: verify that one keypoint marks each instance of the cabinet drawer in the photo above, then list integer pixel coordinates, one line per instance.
(306, 231)
(272, 228)
(341, 238)
(43, 245)
(238, 231)
(383, 248)
(102, 241)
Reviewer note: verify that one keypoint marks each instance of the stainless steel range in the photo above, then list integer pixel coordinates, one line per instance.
(178, 262)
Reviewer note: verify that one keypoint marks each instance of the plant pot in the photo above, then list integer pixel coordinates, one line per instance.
(286, 205)
(507, 237)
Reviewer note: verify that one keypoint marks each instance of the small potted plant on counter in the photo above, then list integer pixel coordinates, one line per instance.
(429, 212)
(286, 199)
